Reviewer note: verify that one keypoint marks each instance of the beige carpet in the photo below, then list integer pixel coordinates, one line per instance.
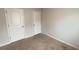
(37, 42)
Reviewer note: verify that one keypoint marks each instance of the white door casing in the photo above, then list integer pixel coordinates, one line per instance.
(37, 22)
(15, 23)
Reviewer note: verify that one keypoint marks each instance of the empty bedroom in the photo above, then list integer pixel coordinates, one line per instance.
(39, 28)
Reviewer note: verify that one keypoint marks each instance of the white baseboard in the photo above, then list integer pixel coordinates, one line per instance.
(45, 34)
(62, 41)
(15, 40)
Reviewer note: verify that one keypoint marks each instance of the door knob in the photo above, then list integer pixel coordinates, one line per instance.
(33, 24)
(23, 26)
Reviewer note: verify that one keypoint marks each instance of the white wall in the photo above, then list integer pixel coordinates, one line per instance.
(3, 28)
(44, 20)
(63, 24)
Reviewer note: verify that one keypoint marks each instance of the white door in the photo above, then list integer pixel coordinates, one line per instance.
(15, 22)
(37, 21)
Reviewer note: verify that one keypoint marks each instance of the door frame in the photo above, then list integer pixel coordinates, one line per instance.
(5, 13)
(33, 13)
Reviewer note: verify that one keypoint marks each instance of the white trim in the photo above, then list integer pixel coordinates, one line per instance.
(61, 40)
(15, 40)
(33, 13)
(5, 13)
(45, 34)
